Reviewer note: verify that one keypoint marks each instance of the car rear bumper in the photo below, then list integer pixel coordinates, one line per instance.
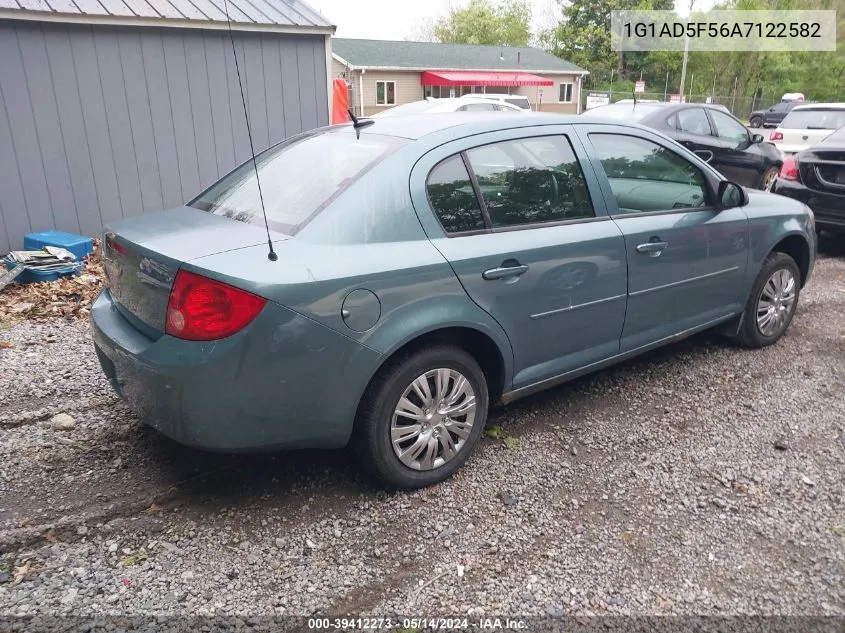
(282, 382)
(828, 208)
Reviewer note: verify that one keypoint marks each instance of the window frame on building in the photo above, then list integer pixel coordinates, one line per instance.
(571, 91)
(386, 100)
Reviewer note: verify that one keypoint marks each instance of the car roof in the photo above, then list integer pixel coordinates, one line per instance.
(829, 106)
(416, 126)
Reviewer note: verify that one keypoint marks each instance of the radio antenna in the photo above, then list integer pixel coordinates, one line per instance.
(272, 254)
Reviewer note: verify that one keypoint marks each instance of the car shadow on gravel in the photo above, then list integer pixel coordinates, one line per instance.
(209, 480)
(831, 245)
(200, 479)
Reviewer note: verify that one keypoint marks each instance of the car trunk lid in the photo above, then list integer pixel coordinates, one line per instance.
(141, 256)
(796, 140)
(823, 170)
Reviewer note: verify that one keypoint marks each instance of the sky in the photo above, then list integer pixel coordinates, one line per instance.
(399, 19)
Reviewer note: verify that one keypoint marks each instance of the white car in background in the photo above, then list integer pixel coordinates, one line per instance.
(806, 125)
(456, 104)
(519, 101)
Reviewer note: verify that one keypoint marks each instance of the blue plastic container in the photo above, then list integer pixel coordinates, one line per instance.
(79, 245)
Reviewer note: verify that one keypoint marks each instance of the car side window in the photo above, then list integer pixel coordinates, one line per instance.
(452, 197)
(694, 121)
(476, 107)
(645, 176)
(531, 181)
(728, 129)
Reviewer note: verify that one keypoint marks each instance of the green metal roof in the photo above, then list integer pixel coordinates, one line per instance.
(436, 56)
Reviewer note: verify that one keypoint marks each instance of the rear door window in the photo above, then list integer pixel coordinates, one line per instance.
(453, 198)
(694, 121)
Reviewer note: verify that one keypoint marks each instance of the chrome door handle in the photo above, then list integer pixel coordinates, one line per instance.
(505, 271)
(653, 248)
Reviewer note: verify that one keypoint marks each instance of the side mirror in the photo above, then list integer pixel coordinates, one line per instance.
(731, 195)
(704, 154)
(757, 138)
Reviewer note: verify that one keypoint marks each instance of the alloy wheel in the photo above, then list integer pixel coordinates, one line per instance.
(433, 419)
(771, 177)
(776, 302)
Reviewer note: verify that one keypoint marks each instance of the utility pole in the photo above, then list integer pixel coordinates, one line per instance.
(686, 54)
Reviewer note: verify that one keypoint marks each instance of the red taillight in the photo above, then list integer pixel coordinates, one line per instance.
(776, 136)
(114, 246)
(789, 170)
(201, 309)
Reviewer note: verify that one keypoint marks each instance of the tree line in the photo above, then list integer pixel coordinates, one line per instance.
(581, 35)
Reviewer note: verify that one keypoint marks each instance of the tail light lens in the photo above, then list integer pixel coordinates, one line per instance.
(789, 170)
(776, 136)
(202, 309)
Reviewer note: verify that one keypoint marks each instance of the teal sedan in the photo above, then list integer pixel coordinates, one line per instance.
(425, 268)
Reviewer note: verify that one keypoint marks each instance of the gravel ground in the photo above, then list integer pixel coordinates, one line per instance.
(699, 479)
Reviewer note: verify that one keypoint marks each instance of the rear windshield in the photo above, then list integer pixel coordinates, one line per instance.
(625, 111)
(298, 178)
(814, 119)
(837, 137)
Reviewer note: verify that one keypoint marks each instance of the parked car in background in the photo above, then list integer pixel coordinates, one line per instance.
(816, 177)
(715, 135)
(425, 271)
(454, 104)
(519, 101)
(807, 125)
(772, 116)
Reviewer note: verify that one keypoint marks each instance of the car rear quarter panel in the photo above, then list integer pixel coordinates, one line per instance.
(369, 239)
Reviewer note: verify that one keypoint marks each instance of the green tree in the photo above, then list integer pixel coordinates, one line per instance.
(583, 36)
(506, 23)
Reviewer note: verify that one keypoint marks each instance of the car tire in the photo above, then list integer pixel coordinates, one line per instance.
(379, 422)
(767, 180)
(755, 121)
(772, 285)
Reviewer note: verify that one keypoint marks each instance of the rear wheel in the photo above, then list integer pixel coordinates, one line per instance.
(772, 302)
(767, 180)
(421, 417)
(755, 121)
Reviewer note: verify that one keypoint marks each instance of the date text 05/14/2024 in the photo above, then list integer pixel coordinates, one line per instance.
(416, 624)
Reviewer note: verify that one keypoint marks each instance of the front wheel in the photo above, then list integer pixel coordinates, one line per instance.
(772, 302)
(755, 121)
(421, 417)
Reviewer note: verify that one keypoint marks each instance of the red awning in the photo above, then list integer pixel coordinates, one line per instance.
(488, 78)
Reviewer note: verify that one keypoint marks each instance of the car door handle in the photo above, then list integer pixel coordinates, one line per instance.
(504, 271)
(652, 247)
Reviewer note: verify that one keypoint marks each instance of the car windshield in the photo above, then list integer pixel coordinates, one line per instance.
(814, 119)
(298, 178)
(626, 111)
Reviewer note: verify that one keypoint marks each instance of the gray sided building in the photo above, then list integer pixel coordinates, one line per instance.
(110, 108)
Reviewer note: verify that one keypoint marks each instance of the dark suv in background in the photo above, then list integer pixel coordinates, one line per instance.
(772, 116)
